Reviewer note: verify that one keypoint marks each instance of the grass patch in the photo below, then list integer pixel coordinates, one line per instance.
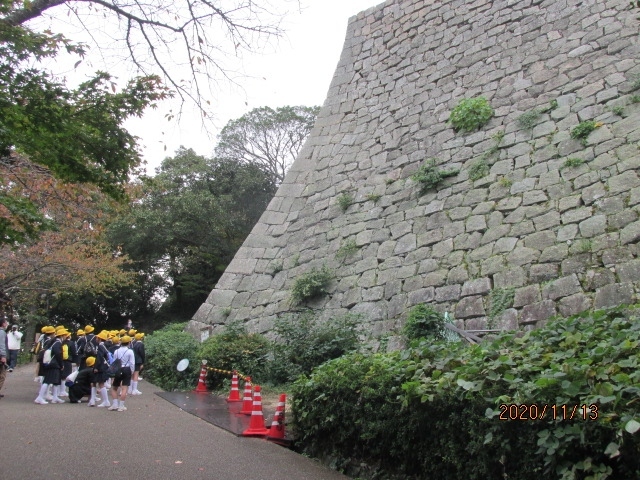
(572, 162)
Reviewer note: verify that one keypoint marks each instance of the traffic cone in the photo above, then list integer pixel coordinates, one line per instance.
(276, 432)
(202, 385)
(234, 395)
(247, 400)
(256, 424)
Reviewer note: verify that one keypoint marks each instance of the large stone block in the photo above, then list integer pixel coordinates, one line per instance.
(614, 295)
(537, 312)
(469, 307)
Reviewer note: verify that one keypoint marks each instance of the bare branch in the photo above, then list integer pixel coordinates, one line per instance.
(172, 38)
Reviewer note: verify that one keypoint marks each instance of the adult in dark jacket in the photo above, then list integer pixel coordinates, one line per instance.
(82, 385)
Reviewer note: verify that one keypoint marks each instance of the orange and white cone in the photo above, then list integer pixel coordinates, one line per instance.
(247, 400)
(234, 395)
(276, 432)
(256, 424)
(202, 385)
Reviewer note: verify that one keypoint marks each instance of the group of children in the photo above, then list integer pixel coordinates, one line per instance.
(82, 366)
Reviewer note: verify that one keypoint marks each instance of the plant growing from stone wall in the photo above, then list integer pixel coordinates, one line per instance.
(500, 299)
(424, 321)
(310, 285)
(583, 130)
(276, 267)
(572, 163)
(429, 175)
(529, 119)
(345, 200)
(470, 114)
(347, 249)
(374, 197)
(480, 168)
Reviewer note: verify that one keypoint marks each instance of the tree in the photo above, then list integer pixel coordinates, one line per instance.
(270, 139)
(72, 257)
(189, 221)
(78, 132)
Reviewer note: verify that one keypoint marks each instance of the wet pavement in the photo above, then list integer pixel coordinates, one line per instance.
(221, 413)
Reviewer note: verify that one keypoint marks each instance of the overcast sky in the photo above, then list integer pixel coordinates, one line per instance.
(298, 73)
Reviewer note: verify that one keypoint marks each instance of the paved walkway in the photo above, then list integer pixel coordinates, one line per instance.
(153, 439)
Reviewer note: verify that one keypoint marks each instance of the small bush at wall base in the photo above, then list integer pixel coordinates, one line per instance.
(303, 342)
(424, 322)
(310, 285)
(164, 348)
(471, 114)
(235, 349)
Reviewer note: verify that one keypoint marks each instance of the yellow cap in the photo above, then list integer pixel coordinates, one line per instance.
(90, 361)
(80, 332)
(103, 335)
(126, 339)
(89, 329)
(139, 336)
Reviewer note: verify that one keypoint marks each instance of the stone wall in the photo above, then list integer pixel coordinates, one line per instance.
(562, 235)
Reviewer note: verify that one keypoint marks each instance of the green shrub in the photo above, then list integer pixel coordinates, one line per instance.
(164, 349)
(303, 343)
(424, 322)
(583, 130)
(471, 114)
(310, 285)
(429, 176)
(453, 411)
(235, 349)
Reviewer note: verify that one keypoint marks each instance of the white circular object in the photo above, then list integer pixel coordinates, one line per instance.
(183, 364)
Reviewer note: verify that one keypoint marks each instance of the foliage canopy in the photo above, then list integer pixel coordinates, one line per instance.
(267, 138)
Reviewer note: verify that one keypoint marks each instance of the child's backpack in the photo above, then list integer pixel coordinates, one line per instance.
(115, 369)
